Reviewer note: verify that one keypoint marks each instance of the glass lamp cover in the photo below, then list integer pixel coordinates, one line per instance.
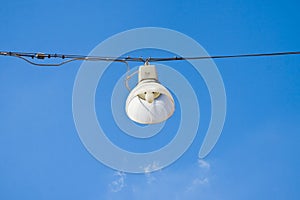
(140, 110)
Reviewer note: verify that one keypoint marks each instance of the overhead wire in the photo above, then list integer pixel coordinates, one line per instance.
(71, 58)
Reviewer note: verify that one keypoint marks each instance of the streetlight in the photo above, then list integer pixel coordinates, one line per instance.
(149, 102)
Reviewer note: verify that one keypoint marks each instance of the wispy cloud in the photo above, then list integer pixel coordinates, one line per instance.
(150, 178)
(199, 181)
(196, 183)
(150, 168)
(189, 183)
(203, 164)
(200, 178)
(119, 183)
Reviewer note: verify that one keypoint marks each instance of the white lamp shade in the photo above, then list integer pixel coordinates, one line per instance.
(149, 103)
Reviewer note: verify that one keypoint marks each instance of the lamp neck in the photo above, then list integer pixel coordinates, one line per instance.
(147, 72)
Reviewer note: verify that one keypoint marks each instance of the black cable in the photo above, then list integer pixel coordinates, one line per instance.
(71, 58)
(228, 56)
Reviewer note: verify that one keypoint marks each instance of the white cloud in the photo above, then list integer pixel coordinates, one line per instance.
(150, 168)
(197, 182)
(190, 182)
(200, 178)
(203, 164)
(118, 184)
(150, 178)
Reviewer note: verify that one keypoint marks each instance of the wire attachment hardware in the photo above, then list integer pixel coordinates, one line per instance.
(41, 56)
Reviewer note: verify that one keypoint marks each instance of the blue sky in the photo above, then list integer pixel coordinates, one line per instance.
(256, 157)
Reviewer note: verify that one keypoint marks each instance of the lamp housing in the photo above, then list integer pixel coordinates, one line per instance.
(149, 102)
